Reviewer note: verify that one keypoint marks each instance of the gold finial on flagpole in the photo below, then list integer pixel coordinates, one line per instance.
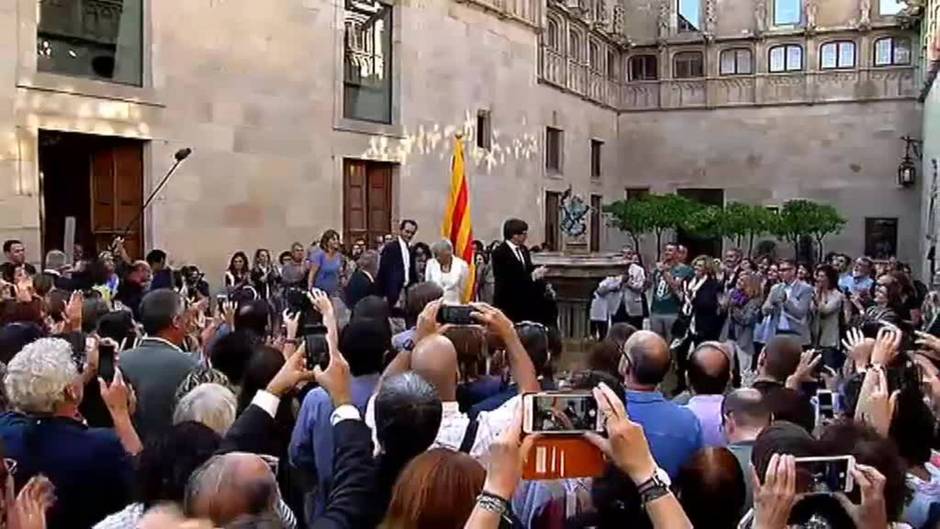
(459, 135)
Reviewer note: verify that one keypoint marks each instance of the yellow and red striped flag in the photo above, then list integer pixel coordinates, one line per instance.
(457, 225)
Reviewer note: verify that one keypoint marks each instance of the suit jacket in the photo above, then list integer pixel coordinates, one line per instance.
(795, 308)
(708, 319)
(391, 276)
(514, 288)
(350, 501)
(155, 369)
(359, 286)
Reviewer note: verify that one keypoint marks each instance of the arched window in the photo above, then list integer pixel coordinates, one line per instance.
(688, 65)
(891, 51)
(839, 54)
(611, 65)
(736, 61)
(594, 56)
(574, 45)
(552, 37)
(644, 68)
(786, 58)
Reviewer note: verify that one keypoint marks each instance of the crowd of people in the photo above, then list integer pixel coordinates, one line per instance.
(321, 390)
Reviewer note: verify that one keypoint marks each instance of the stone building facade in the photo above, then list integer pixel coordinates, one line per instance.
(310, 114)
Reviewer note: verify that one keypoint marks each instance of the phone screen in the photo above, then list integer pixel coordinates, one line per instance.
(823, 475)
(106, 362)
(455, 315)
(316, 350)
(561, 413)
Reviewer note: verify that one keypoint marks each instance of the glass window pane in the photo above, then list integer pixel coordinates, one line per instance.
(794, 58)
(727, 62)
(846, 54)
(776, 59)
(890, 7)
(828, 55)
(367, 93)
(786, 12)
(902, 51)
(744, 62)
(101, 40)
(883, 52)
(574, 46)
(689, 15)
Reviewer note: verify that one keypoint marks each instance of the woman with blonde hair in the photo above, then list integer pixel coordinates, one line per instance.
(744, 313)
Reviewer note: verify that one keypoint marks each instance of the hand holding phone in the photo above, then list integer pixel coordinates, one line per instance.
(824, 475)
(455, 315)
(107, 358)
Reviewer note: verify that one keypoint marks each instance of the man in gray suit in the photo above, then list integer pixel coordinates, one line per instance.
(158, 365)
(788, 303)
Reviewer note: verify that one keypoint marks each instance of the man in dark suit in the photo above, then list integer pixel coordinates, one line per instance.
(362, 281)
(396, 265)
(516, 291)
(158, 365)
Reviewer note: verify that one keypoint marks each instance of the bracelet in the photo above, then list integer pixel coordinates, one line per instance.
(492, 503)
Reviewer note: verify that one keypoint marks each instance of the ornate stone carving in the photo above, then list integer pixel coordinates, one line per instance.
(760, 16)
(664, 20)
(811, 8)
(864, 14)
(618, 21)
(711, 18)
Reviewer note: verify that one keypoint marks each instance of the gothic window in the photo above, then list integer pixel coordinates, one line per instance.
(574, 45)
(594, 57)
(839, 54)
(611, 65)
(786, 58)
(553, 35)
(736, 61)
(688, 65)
(644, 68)
(100, 40)
(367, 76)
(891, 51)
(690, 15)
(787, 12)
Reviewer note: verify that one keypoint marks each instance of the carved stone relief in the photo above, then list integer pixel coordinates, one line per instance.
(711, 18)
(760, 16)
(811, 8)
(864, 14)
(664, 22)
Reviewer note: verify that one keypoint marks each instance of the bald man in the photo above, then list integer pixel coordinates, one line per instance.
(708, 375)
(745, 414)
(673, 432)
(229, 486)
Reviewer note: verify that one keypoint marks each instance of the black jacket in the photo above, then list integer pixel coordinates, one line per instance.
(705, 310)
(391, 276)
(359, 286)
(515, 293)
(350, 503)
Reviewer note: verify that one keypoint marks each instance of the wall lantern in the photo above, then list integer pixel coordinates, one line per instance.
(907, 170)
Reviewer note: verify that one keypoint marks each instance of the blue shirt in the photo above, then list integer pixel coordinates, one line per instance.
(856, 285)
(311, 444)
(328, 270)
(673, 432)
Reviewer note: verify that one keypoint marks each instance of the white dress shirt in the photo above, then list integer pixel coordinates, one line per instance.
(452, 282)
(516, 251)
(405, 259)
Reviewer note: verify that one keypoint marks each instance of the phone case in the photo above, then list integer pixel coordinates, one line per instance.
(563, 456)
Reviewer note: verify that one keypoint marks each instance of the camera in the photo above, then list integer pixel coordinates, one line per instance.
(824, 475)
(560, 413)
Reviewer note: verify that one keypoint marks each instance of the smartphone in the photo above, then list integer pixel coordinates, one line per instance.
(824, 475)
(220, 300)
(825, 406)
(316, 348)
(455, 315)
(106, 353)
(560, 412)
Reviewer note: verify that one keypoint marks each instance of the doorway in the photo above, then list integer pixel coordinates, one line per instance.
(367, 201)
(98, 181)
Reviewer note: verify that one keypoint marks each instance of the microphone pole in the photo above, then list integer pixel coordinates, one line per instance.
(180, 155)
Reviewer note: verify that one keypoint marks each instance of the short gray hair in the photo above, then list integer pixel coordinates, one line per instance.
(38, 375)
(369, 261)
(213, 405)
(440, 246)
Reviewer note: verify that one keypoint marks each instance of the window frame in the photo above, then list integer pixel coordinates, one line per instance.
(594, 56)
(838, 46)
(680, 18)
(611, 65)
(575, 34)
(484, 130)
(894, 46)
(646, 59)
(553, 40)
(786, 56)
(737, 67)
(388, 60)
(597, 158)
(559, 150)
(675, 64)
(799, 14)
(881, 13)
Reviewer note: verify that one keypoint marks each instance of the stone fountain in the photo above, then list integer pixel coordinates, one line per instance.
(574, 273)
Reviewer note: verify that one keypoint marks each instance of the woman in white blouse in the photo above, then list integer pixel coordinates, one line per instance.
(450, 272)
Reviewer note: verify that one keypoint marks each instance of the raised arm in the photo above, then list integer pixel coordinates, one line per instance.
(520, 364)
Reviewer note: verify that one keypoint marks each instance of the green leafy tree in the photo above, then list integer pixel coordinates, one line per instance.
(804, 218)
(630, 217)
(667, 213)
(705, 222)
(826, 221)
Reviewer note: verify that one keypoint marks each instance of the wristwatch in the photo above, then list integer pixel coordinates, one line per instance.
(655, 487)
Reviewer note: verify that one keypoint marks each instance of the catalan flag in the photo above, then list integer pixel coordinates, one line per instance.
(457, 225)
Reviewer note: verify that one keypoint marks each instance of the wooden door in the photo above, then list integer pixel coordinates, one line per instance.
(367, 200)
(595, 223)
(552, 223)
(117, 174)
